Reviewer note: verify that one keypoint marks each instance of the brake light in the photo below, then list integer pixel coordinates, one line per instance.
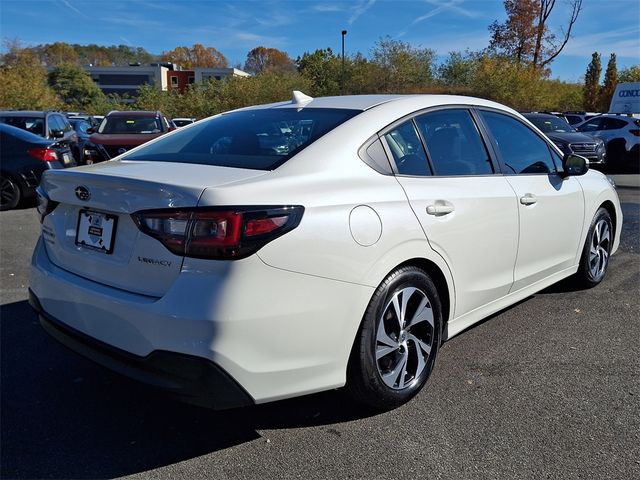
(44, 154)
(218, 233)
(635, 132)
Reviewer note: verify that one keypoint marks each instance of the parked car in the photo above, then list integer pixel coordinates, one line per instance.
(181, 122)
(121, 131)
(232, 273)
(621, 135)
(82, 128)
(51, 125)
(94, 120)
(574, 118)
(23, 158)
(567, 138)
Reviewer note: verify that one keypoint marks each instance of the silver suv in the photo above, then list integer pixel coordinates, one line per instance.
(622, 136)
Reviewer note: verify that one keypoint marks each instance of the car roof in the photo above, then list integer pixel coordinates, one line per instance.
(134, 113)
(22, 134)
(367, 102)
(24, 113)
(540, 115)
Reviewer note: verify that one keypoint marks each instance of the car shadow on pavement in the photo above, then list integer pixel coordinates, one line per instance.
(64, 417)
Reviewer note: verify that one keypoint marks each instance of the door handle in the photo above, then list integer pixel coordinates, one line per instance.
(528, 199)
(440, 209)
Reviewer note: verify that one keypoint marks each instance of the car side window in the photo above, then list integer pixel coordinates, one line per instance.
(522, 150)
(454, 144)
(407, 151)
(591, 125)
(613, 123)
(55, 124)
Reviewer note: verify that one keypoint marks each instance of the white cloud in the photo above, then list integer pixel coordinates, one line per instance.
(75, 9)
(360, 9)
(624, 42)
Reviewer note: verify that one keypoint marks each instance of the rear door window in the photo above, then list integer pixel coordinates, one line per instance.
(259, 139)
(454, 144)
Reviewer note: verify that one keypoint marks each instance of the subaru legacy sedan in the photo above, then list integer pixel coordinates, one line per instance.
(285, 249)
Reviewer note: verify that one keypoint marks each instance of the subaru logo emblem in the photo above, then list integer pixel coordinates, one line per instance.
(83, 193)
(121, 151)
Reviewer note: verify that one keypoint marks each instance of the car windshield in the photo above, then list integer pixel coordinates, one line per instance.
(260, 139)
(552, 125)
(130, 125)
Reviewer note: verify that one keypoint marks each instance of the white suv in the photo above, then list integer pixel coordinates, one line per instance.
(621, 134)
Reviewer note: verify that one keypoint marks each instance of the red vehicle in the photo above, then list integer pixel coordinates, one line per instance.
(119, 132)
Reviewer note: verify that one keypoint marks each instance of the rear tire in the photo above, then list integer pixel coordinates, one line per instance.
(10, 193)
(597, 249)
(397, 343)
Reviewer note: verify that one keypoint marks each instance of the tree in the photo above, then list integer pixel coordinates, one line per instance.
(458, 69)
(75, 87)
(262, 59)
(403, 67)
(24, 80)
(526, 36)
(59, 53)
(196, 56)
(591, 83)
(610, 82)
(323, 69)
(630, 74)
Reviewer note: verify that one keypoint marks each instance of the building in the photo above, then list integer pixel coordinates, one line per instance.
(127, 80)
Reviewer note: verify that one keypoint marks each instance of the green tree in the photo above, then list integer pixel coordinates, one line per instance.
(75, 87)
(458, 69)
(591, 83)
(630, 74)
(262, 59)
(403, 68)
(609, 86)
(24, 80)
(322, 68)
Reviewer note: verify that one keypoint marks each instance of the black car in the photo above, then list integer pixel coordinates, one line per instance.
(51, 125)
(567, 138)
(81, 126)
(23, 158)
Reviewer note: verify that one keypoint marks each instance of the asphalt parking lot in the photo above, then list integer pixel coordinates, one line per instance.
(549, 388)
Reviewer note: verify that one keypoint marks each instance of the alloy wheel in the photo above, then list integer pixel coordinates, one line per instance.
(404, 338)
(599, 249)
(9, 193)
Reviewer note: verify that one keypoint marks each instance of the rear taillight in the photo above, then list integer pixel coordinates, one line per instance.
(227, 233)
(44, 154)
(635, 132)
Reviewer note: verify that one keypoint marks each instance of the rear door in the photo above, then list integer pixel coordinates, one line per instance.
(468, 211)
(551, 208)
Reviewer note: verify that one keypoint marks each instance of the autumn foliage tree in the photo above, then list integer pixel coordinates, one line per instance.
(196, 56)
(262, 59)
(526, 35)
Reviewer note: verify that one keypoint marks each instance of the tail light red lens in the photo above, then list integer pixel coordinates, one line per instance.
(44, 154)
(218, 233)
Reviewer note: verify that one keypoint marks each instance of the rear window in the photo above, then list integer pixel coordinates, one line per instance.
(255, 139)
(34, 125)
(130, 125)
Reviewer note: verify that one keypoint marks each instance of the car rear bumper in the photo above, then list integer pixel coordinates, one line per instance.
(277, 334)
(191, 379)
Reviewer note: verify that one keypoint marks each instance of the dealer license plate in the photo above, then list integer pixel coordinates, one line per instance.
(96, 230)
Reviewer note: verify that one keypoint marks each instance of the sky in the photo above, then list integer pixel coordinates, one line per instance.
(235, 27)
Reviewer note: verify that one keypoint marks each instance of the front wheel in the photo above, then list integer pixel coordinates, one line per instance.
(596, 251)
(396, 346)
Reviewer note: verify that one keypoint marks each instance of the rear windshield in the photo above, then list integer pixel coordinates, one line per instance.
(34, 125)
(255, 139)
(130, 125)
(551, 124)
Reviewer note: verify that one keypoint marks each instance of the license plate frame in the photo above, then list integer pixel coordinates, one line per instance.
(96, 230)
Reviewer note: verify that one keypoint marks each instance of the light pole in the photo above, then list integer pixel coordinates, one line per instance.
(344, 32)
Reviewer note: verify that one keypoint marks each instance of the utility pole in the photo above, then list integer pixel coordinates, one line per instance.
(344, 32)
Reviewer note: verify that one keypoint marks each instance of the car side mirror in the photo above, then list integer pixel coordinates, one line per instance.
(55, 133)
(574, 165)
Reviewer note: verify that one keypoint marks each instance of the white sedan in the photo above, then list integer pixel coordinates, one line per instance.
(285, 249)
